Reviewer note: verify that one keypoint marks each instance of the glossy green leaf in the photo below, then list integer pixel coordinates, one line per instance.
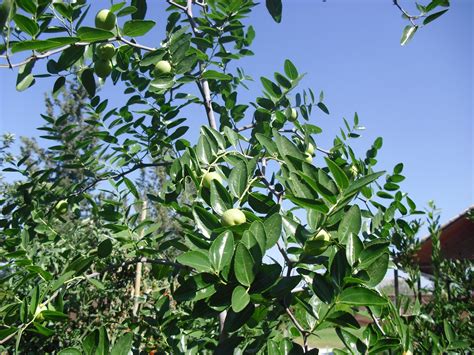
(353, 248)
(350, 224)
(434, 16)
(205, 221)
(339, 175)
(290, 70)
(123, 345)
(258, 230)
(26, 24)
(273, 226)
(238, 179)
(88, 81)
(356, 185)
(43, 45)
(136, 28)
(275, 8)
(196, 259)
(104, 249)
(408, 33)
(240, 299)
(70, 351)
(377, 270)
(360, 296)
(244, 265)
(92, 34)
(221, 251)
(215, 75)
(221, 201)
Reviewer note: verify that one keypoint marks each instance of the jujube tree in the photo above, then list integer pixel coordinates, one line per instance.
(252, 187)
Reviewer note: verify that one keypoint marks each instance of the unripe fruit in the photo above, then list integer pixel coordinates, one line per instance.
(310, 149)
(308, 158)
(103, 68)
(105, 51)
(318, 244)
(61, 207)
(291, 114)
(163, 67)
(208, 177)
(233, 217)
(323, 235)
(38, 316)
(105, 19)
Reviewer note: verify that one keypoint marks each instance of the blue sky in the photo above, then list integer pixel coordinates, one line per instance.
(418, 98)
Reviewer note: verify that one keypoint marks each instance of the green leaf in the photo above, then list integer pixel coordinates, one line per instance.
(290, 70)
(135, 28)
(372, 252)
(58, 85)
(221, 201)
(360, 296)
(54, 315)
(196, 259)
(433, 17)
(267, 143)
(70, 351)
(104, 249)
(44, 45)
(205, 221)
(244, 265)
(275, 8)
(25, 78)
(377, 270)
(5, 9)
(323, 288)
(88, 81)
(258, 230)
(215, 75)
(238, 179)
(323, 108)
(408, 33)
(240, 299)
(26, 24)
(272, 226)
(123, 345)
(350, 224)
(61, 280)
(357, 185)
(92, 34)
(339, 175)
(221, 251)
(353, 248)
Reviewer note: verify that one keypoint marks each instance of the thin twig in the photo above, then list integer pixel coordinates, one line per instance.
(243, 128)
(410, 17)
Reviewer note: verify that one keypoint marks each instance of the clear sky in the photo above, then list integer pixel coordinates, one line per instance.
(418, 98)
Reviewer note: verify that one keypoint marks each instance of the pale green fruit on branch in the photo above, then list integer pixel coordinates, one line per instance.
(163, 67)
(318, 244)
(38, 313)
(308, 158)
(233, 217)
(105, 19)
(105, 51)
(291, 114)
(103, 68)
(61, 207)
(208, 177)
(310, 149)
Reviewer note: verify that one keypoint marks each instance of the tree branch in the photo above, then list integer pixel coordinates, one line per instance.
(203, 84)
(407, 15)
